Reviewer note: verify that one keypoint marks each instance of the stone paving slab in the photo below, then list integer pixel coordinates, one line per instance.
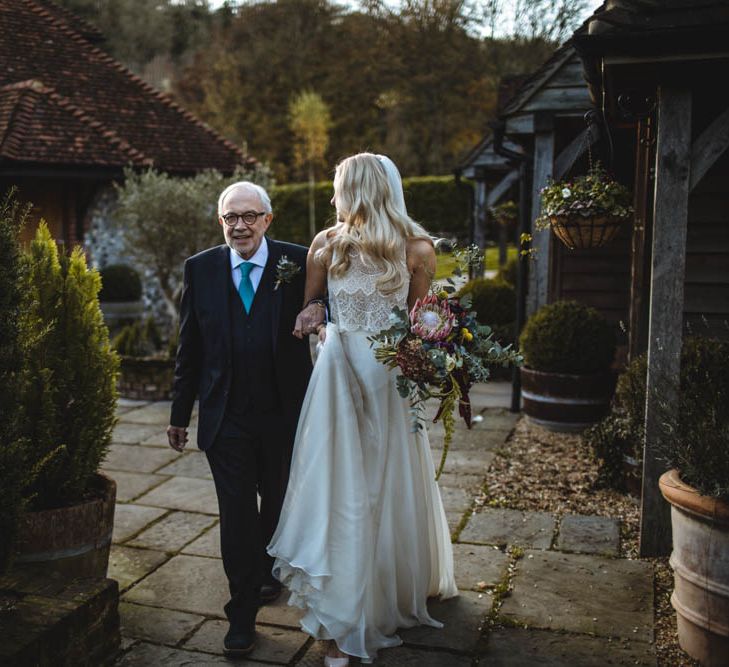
(455, 500)
(133, 458)
(506, 526)
(186, 583)
(173, 532)
(124, 405)
(517, 647)
(280, 613)
(129, 485)
(163, 626)
(152, 655)
(153, 413)
(276, 645)
(191, 464)
(454, 520)
(401, 656)
(469, 481)
(183, 493)
(129, 519)
(159, 438)
(463, 618)
(133, 434)
(473, 461)
(208, 544)
(475, 564)
(128, 565)
(584, 594)
(589, 534)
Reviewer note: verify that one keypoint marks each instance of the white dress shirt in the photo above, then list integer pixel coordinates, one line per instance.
(259, 259)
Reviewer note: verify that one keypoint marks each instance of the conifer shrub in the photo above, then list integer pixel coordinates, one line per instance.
(120, 282)
(568, 337)
(15, 464)
(70, 394)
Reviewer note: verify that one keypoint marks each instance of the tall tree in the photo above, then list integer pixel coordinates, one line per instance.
(310, 122)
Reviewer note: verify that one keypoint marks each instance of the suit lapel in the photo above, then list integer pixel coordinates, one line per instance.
(274, 254)
(221, 292)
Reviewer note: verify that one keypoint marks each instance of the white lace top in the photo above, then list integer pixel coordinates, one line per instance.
(357, 304)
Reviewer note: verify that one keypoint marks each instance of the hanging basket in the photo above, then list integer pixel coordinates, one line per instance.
(579, 231)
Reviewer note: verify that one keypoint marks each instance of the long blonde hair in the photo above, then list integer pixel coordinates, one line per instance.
(372, 219)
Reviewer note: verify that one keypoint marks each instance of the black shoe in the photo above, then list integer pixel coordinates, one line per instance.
(269, 592)
(239, 642)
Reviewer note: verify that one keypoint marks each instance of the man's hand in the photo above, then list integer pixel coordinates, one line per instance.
(177, 436)
(309, 319)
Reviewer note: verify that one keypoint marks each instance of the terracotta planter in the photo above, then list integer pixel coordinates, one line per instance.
(700, 562)
(564, 402)
(578, 231)
(73, 540)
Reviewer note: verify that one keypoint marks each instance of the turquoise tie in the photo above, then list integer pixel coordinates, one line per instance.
(245, 288)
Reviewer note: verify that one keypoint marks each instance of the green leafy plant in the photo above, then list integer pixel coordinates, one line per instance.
(508, 273)
(694, 441)
(592, 194)
(495, 304)
(70, 393)
(15, 464)
(505, 214)
(568, 337)
(120, 282)
(139, 339)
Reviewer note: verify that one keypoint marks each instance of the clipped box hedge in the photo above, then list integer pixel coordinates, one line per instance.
(436, 202)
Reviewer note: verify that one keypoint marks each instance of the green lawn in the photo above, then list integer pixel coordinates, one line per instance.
(446, 262)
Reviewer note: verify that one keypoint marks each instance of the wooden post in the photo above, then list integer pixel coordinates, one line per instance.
(668, 260)
(541, 240)
(641, 232)
(479, 224)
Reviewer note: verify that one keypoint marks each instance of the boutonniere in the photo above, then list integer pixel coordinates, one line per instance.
(285, 271)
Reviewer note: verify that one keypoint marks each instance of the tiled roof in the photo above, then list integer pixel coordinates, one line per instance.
(65, 101)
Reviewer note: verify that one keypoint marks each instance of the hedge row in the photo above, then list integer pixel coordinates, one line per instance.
(436, 202)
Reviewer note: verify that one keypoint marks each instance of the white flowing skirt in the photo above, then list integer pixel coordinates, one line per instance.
(363, 539)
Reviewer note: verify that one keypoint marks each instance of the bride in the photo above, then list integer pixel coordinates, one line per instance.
(363, 540)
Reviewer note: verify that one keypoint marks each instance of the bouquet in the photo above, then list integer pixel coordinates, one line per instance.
(441, 351)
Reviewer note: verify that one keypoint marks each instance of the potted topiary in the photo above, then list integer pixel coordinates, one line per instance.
(120, 295)
(567, 382)
(587, 211)
(695, 444)
(147, 364)
(68, 400)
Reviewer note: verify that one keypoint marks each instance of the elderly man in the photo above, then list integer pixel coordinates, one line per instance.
(237, 354)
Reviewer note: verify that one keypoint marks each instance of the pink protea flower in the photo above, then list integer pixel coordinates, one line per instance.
(431, 319)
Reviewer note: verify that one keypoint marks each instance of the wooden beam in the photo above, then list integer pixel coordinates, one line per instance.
(709, 147)
(539, 276)
(502, 187)
(479, 214)
(671, 193)
(521, 124)
(574, 151)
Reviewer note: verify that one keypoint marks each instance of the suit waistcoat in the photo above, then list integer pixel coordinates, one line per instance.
(253, 386)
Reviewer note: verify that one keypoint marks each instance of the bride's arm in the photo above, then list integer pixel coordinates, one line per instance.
(313, 314)
(421, 264)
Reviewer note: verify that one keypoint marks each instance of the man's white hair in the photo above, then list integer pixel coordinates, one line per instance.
(247, 185)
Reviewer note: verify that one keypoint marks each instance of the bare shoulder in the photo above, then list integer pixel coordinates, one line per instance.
(319, 241)
(420, 254)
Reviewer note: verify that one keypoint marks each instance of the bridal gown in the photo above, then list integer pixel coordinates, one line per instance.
(363, 538)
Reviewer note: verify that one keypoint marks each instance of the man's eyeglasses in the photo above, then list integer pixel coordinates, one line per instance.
(248, 218)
